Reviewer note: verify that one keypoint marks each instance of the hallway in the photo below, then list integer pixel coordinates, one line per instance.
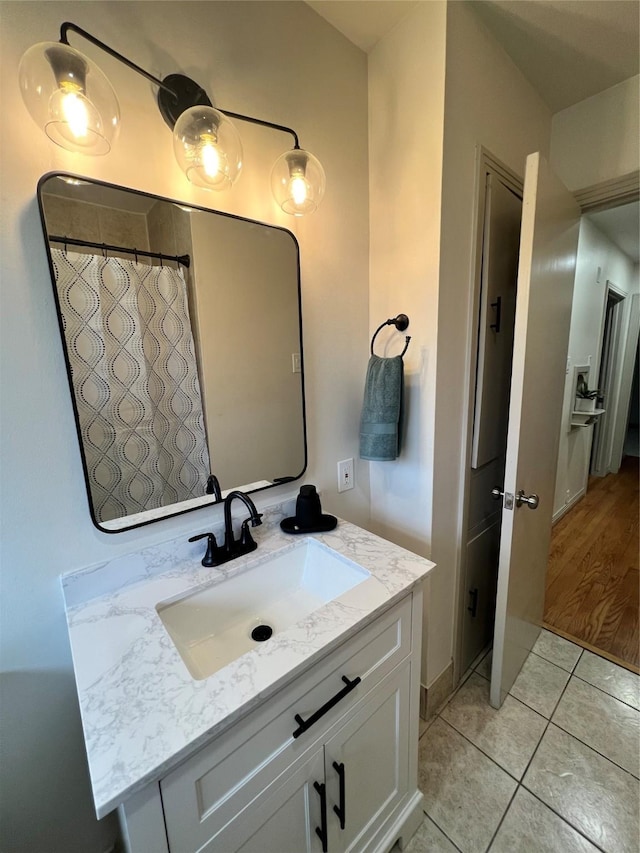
(592, 575)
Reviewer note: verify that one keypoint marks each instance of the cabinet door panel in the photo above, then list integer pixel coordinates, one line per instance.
(373, 746)
(283, 819)
(481, 572)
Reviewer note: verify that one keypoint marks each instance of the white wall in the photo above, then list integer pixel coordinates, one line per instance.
(595, 250)
(488, 103)
(598, 139)
(406, 104)
(275, 60)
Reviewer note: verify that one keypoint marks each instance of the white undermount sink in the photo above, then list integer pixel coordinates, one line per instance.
(214, 626)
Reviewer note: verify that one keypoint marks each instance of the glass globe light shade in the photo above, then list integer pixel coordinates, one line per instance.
(70, 98)
(298, 182)
(208, 148)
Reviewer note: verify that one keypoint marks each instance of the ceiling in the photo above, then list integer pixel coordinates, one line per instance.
(622, 227)
(567, 49)
(363, 22)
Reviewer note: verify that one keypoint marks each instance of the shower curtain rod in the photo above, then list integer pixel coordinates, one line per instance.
(185, 260)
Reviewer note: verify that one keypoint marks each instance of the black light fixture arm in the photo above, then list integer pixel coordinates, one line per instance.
(264, 123)
(183, 91)
(66, 26)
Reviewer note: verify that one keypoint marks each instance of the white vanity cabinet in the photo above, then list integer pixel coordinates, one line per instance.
(360, 772)
(327, 763)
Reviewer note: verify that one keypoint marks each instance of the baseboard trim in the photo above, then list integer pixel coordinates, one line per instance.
(433, 698)
(565, 509)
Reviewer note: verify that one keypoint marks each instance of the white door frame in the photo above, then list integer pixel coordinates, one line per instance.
(611, 363)
(626, 381)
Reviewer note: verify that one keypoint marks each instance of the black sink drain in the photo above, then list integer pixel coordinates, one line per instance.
(261, 633)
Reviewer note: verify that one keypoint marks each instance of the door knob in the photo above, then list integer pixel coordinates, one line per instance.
(532, 501)
(496, 494)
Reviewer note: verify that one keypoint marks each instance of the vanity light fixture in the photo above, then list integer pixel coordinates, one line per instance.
(68, 96)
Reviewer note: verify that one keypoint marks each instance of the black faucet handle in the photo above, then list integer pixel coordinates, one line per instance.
(247, 542)
(211, 556)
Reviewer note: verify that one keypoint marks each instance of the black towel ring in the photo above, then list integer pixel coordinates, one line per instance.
(401, 322)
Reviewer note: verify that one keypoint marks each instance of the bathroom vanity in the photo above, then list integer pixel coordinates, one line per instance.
(306, 742)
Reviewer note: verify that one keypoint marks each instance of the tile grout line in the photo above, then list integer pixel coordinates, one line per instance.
(501, 821)
(584, 743)
(520, 701)
(443, 832)
(597, 752)
(563, 819)
(606, 692)
(546, 728)
(480, 750)
(564, 669)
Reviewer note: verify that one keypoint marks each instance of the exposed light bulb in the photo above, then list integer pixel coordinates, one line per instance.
(298, 182)
(209, 156)
(73, 118)
(75, 113)
(298, 189)
(207, 147)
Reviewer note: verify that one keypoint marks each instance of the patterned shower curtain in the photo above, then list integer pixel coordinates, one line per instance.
(135, 379)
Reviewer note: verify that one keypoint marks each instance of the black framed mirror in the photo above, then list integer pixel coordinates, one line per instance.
(182, 333)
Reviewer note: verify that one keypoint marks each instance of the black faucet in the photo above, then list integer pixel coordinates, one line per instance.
(216, 554)
(213, 487)
(234, 548)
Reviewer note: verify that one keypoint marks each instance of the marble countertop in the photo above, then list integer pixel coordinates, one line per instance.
(142, 712)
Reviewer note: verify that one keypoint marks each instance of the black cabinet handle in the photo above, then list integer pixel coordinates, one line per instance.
(340, 810)
(303, 725)
(498, 306)
(321, 831)
(473, 607)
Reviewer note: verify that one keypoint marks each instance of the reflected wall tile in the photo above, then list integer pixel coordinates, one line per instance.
(596, 797)
(602, 722)
(161, 229)
(69, 218)
(122, 228)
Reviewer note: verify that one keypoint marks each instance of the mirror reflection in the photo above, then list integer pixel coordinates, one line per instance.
(182, 335)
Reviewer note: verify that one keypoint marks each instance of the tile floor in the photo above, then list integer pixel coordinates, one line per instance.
(555, 770)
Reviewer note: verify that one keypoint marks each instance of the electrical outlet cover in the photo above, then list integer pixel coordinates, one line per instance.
(345, 475)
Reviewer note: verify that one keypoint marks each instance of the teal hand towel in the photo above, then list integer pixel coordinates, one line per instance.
(382, 409)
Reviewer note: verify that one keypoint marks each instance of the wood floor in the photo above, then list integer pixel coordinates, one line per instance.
(592, 587)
